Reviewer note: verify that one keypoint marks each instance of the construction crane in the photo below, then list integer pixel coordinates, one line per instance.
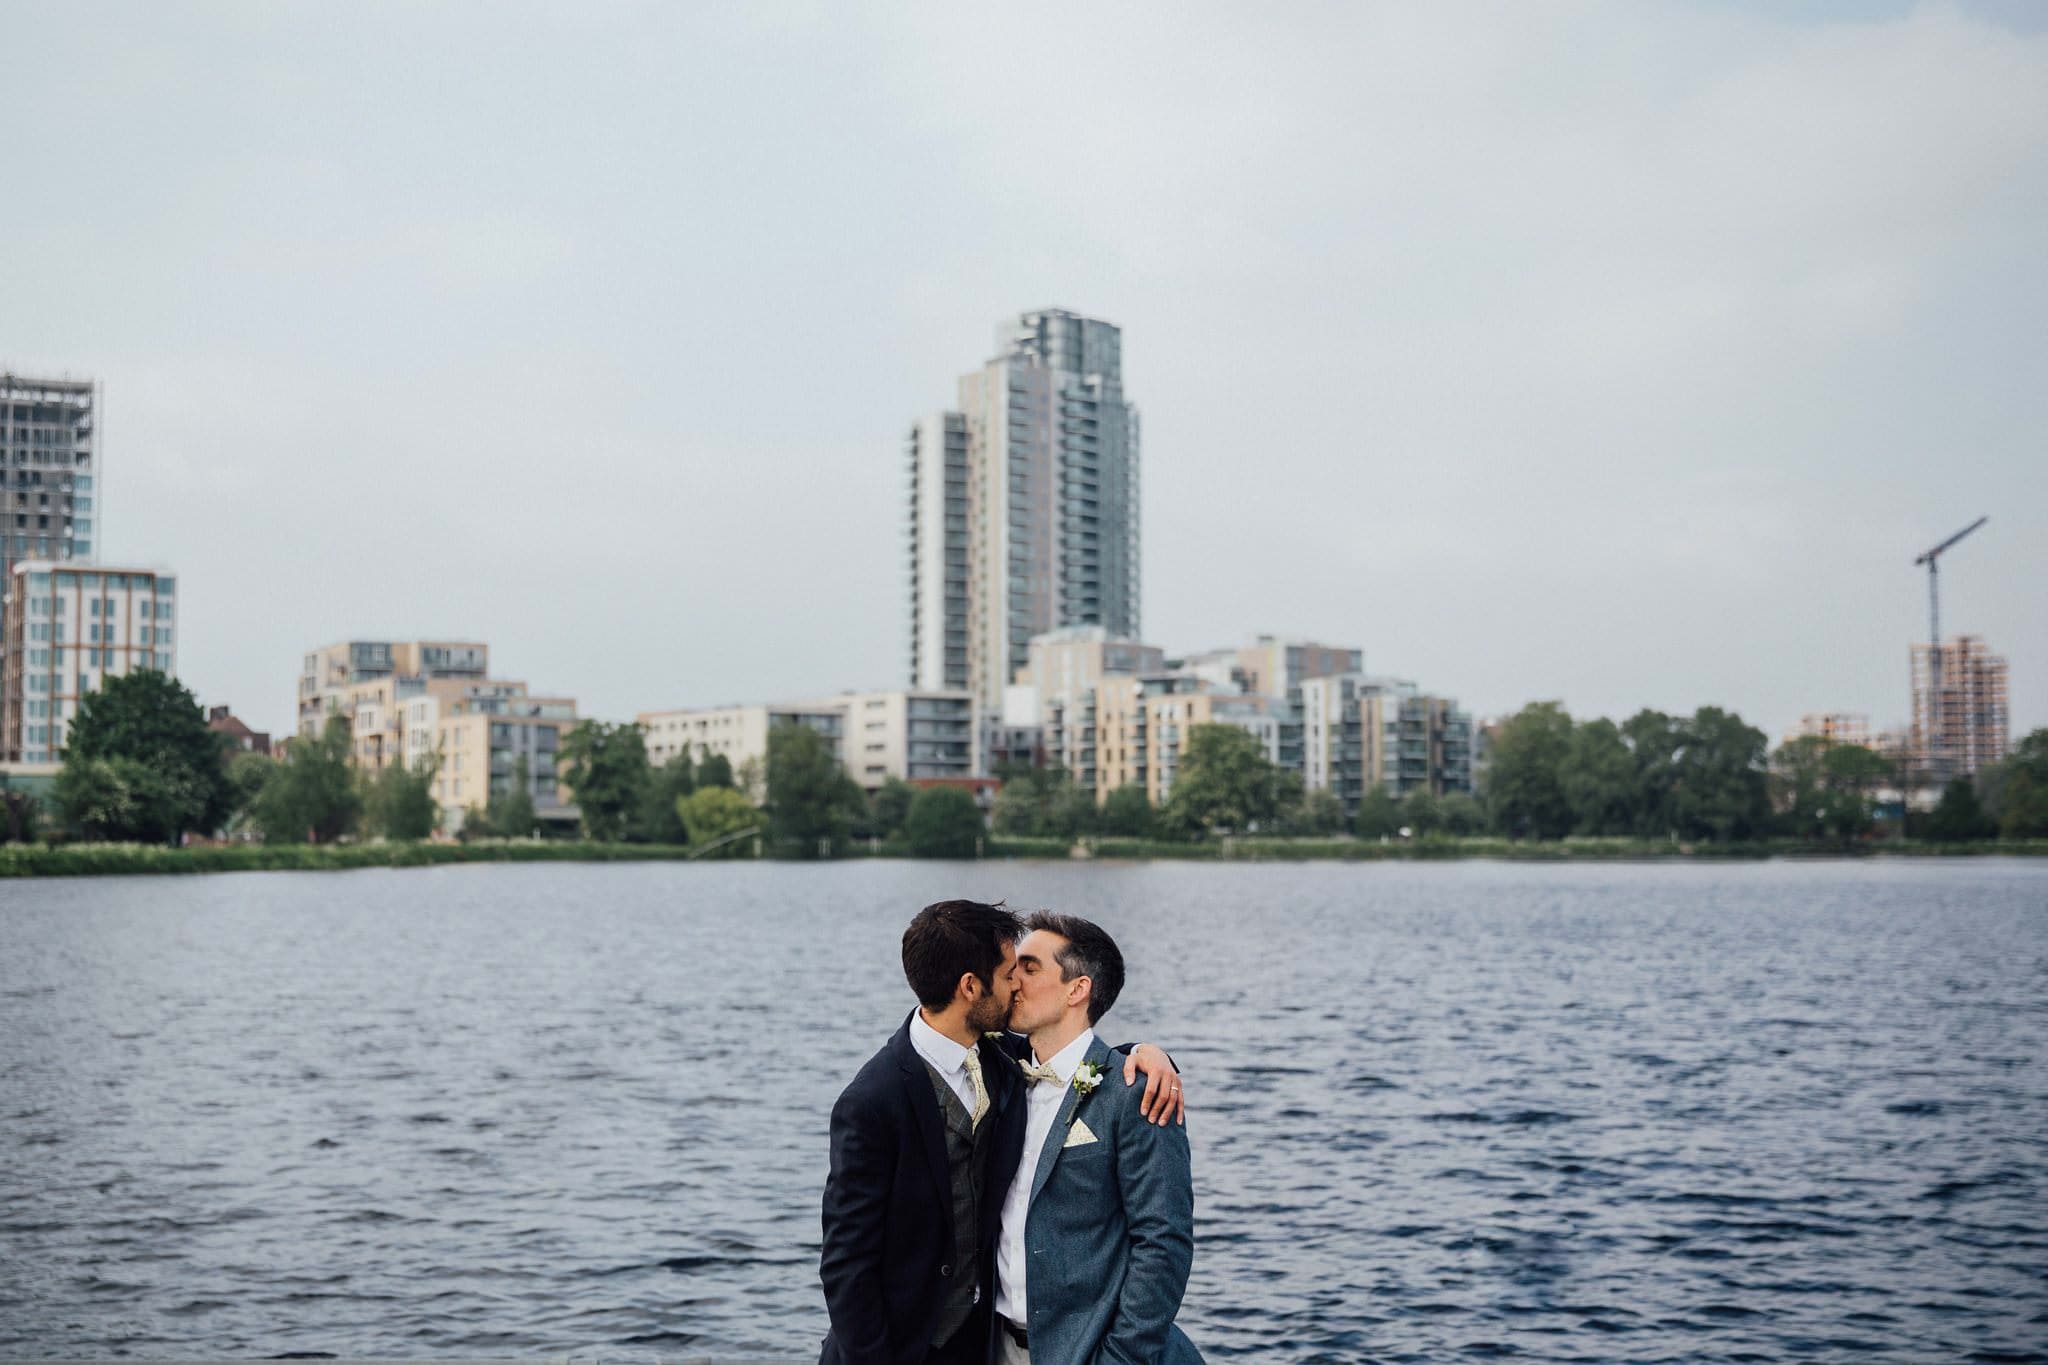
(1932, 559)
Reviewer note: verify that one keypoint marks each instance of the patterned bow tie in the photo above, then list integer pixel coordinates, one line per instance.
(1034, 1074)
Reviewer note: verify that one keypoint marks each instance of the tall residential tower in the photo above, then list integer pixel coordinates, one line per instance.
(1024, 505)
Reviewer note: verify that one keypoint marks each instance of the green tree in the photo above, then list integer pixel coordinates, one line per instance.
(1227, 782)
(812, 803)
(1462, 814)
(1036, 802)
(890, 806)
(943, 822)
(1599, 779)
(1379, 814)
(714, 813)
(150, 719)
(312, 794)
(399, 803)
(659, 819)
(1960, 816)
(123, 799)
(1127, 812)
(2023, 797)
(1721, 791)
(1420, 813)
(1320, 813)
(714, 770)
(1073, 812)
(1524, 776)
(1656, 741)
(605, 767)
(510, 814)
(248, 773)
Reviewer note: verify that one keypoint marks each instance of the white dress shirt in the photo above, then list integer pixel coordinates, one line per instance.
(947, 1057)
(1045, 1101)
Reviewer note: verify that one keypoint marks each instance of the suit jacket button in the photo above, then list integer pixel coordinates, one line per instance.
(946, 1271)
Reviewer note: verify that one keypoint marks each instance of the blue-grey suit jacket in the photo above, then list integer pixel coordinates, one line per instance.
(1110, 1235)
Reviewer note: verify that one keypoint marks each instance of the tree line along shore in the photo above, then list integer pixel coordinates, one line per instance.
(145, 786)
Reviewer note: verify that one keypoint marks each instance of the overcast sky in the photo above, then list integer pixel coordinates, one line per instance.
(1619, 353)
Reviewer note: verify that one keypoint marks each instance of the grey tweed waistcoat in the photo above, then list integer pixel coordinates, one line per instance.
(967, 1150)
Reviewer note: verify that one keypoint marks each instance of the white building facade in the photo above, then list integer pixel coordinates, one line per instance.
(68, 629)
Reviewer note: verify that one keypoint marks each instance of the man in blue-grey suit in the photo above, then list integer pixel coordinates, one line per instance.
(1098, 1224)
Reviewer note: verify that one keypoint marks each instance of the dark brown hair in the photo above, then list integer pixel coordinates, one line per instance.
(949, 939)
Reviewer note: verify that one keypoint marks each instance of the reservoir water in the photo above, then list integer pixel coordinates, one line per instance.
(1644, 1112)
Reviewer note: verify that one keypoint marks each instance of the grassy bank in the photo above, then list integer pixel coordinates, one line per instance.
(98, 860)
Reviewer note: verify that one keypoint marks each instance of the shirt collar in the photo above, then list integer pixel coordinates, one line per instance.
(935, 1047)
(1068, 1059)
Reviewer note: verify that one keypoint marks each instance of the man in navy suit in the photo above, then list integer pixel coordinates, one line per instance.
(1098, 1224)
(925, 1141)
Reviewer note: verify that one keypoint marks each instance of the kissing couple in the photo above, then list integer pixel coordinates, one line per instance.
(1000, 1192)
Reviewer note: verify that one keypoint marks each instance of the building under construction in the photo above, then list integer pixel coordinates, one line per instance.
(1960, 723)
(46, 469)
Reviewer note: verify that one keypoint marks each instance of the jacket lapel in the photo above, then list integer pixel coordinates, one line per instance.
(924, 1110)
(1056, 1139)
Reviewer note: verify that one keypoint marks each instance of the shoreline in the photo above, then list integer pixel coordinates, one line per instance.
(97, 860)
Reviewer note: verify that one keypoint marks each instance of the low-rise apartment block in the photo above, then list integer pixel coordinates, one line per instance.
(1833, 727)
(68, 629)
(477, 741)
(370, 682)
(908, 733)
(1359, 732)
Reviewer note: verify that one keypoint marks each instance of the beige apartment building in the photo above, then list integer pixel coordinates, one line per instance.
(1272, 665)
(332, 676)
(907, 733)
(68, 629)
(1139, 727)
(1833, 727)
(1359, 732)
(479, 739)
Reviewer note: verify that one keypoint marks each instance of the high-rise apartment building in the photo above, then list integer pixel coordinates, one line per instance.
(46, 452)
(1960, 721)
(69, 628)
(1024, 505)
(47, 469)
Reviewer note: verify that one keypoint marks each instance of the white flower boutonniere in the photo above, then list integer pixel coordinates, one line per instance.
(1086, 1077)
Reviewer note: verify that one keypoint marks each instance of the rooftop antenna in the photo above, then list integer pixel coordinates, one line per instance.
(1932, 559)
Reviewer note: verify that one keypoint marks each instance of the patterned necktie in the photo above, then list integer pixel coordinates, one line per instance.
(972, 1061)
(1034, 1074)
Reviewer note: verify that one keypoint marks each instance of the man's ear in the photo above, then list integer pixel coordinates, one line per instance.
(1080, 990)
(967, 988)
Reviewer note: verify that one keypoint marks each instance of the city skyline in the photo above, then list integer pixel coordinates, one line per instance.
(1623, 355)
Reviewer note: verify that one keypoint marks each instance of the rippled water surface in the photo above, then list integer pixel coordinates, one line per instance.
(1672, 1112)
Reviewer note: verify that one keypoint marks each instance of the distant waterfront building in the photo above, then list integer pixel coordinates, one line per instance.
(1833, 727)
(1024, 511)
(1273, 666)
(223, 721)
(1137, 728)
(48, 432)
(1063, 667)
(911, 734)
(1962, 724)
(1360, 732)
(370, 681)
(47, 467)
(477, 739)
(68, 629)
